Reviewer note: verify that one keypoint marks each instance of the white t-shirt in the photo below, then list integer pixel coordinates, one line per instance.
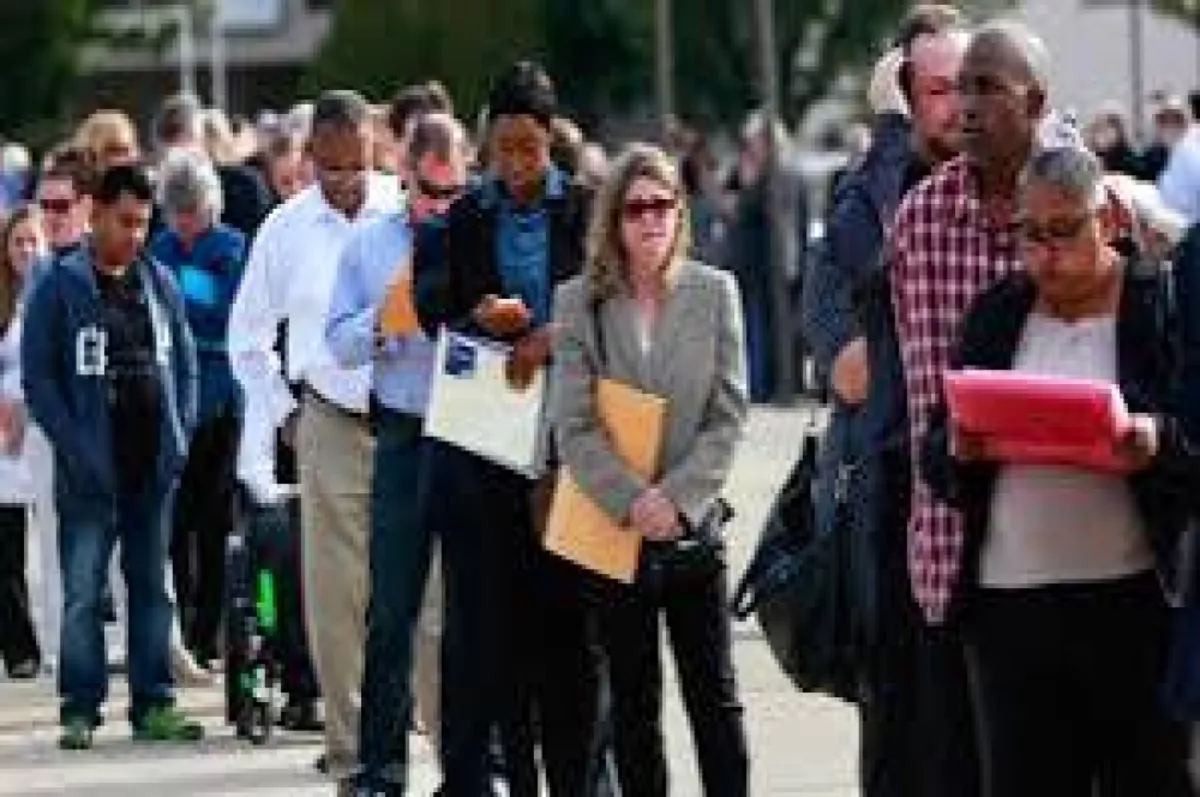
(1052, 524)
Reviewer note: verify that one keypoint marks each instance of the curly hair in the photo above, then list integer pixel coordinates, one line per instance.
(605, 267)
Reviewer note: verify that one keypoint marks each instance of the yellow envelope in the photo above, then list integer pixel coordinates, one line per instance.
(580, 531)
(398, 316)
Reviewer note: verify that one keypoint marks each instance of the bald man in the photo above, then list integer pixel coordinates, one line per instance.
(952, 239)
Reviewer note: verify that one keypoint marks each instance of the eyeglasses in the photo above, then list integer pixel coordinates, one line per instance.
(637, 209)
(1058, 234)
(432, 190)
(57, 206)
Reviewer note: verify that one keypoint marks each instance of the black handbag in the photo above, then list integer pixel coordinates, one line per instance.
(802, 583)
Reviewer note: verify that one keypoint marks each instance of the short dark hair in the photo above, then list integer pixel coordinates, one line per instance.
(340, 109)
(73, 164)
(180, 118)
(437, 133)
(127, 179)
(524, 89)
(1194, 104)
(416, 100)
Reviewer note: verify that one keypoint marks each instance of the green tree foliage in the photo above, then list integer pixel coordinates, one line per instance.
(1187, 10)
(602, 51)
(39, 44)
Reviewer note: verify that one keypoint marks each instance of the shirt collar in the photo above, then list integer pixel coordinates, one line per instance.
(492, 192)
(383, 196)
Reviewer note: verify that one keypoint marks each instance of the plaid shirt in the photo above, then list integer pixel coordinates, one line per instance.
(945, 252)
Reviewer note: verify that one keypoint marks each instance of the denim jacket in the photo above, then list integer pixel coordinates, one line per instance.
(66, 386)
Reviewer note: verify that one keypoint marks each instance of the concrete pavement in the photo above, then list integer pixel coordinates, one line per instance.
(800, 745)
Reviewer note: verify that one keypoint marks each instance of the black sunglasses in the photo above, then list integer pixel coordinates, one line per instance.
(431, 190)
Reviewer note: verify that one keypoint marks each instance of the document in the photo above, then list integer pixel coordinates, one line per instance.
(577, 529)
(398, 316)
(472, 405)
(1034, 419)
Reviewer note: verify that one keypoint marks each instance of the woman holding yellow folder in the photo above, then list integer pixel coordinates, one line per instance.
(645, 316)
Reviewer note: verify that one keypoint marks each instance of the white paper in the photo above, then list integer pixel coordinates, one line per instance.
(473, 407)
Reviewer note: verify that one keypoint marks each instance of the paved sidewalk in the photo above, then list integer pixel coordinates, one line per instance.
(799, 745)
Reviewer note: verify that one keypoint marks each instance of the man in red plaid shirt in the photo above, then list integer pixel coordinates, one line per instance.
(954, 237)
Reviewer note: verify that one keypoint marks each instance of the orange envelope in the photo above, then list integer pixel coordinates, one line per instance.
(580, 531)
(398, 316)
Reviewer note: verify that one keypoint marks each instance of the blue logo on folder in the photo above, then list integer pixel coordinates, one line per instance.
(460, 358)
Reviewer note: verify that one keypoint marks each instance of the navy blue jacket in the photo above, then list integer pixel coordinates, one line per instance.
(846, 292)
(72, 407)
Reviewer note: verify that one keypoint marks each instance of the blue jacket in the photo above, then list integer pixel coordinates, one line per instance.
(847, 293)
(72, 407)
(208, 276)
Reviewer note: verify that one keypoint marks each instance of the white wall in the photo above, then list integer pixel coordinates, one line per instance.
(1090, 52)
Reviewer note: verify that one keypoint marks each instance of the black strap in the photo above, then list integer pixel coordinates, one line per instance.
(598, 332)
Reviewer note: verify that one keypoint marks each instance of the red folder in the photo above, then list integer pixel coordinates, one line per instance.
(1040, 420)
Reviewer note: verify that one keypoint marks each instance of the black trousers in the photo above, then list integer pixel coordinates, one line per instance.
(890, 753)
(518, 649)
(698, 624)
(1067, 680)
(203, 520)
(17, 640)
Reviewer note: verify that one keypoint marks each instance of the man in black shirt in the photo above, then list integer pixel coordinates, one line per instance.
(110, 375)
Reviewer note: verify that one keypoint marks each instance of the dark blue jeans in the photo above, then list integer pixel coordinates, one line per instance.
(400, 551)
(85, 541)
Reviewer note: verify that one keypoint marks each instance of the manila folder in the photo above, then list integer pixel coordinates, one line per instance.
(577, 529)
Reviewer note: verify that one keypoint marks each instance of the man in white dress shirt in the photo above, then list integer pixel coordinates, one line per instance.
(289, 278)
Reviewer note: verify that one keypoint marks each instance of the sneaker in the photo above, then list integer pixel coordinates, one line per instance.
(166, 724)
(24, 670)
(76, 734)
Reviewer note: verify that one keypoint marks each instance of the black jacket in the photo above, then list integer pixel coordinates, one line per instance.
(1147, 377)
(455, 264)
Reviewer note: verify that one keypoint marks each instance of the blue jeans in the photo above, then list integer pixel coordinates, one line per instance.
(400, 551)
(85, 542)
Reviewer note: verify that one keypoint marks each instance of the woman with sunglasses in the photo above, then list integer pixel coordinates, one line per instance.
(645, 315)
(1065, 622)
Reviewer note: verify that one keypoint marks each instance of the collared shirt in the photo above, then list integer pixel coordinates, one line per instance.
(1179, 183)
(945, 252)
(373, 260)
(289, 278)
(523, 245)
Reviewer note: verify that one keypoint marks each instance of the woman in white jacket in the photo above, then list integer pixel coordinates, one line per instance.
(22, 244)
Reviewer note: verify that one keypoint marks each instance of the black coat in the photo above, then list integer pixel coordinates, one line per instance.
(1147, 367)
(456, 261)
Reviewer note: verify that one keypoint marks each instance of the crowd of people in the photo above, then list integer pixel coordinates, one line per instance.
(189, 329)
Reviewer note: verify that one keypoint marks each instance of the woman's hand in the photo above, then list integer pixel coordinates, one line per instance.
(655, 516)
(528, 355)
(968, 446)
(1139, 445)
(502, 318)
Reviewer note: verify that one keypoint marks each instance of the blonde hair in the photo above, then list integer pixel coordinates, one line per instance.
(103, 128)
(606, 266)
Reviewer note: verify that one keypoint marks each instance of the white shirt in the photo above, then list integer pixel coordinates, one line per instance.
(289, 277)
(1179, 184)
(1052, 524)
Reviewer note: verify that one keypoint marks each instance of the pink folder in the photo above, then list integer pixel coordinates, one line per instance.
(1040, 420)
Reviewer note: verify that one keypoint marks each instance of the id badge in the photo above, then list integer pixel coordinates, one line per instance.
(91, 352)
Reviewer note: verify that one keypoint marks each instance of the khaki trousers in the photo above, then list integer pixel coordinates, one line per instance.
(335, 453)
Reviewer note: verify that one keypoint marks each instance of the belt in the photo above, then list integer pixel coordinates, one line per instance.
(359, 417)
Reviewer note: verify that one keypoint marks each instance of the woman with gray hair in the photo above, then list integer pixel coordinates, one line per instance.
(1065, 621)
(207, 258)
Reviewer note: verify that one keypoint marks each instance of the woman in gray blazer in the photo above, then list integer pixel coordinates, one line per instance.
(643, 314)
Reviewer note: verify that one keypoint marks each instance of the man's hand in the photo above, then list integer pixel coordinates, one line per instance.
(851, 374)
(1140, 444)
(884, 93)
(655, 516)
(502, 318)
(528, 355)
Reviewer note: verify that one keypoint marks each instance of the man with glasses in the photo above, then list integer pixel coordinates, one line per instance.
(64, 195)
(290, 278)
(359, 332)
(953, 238)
